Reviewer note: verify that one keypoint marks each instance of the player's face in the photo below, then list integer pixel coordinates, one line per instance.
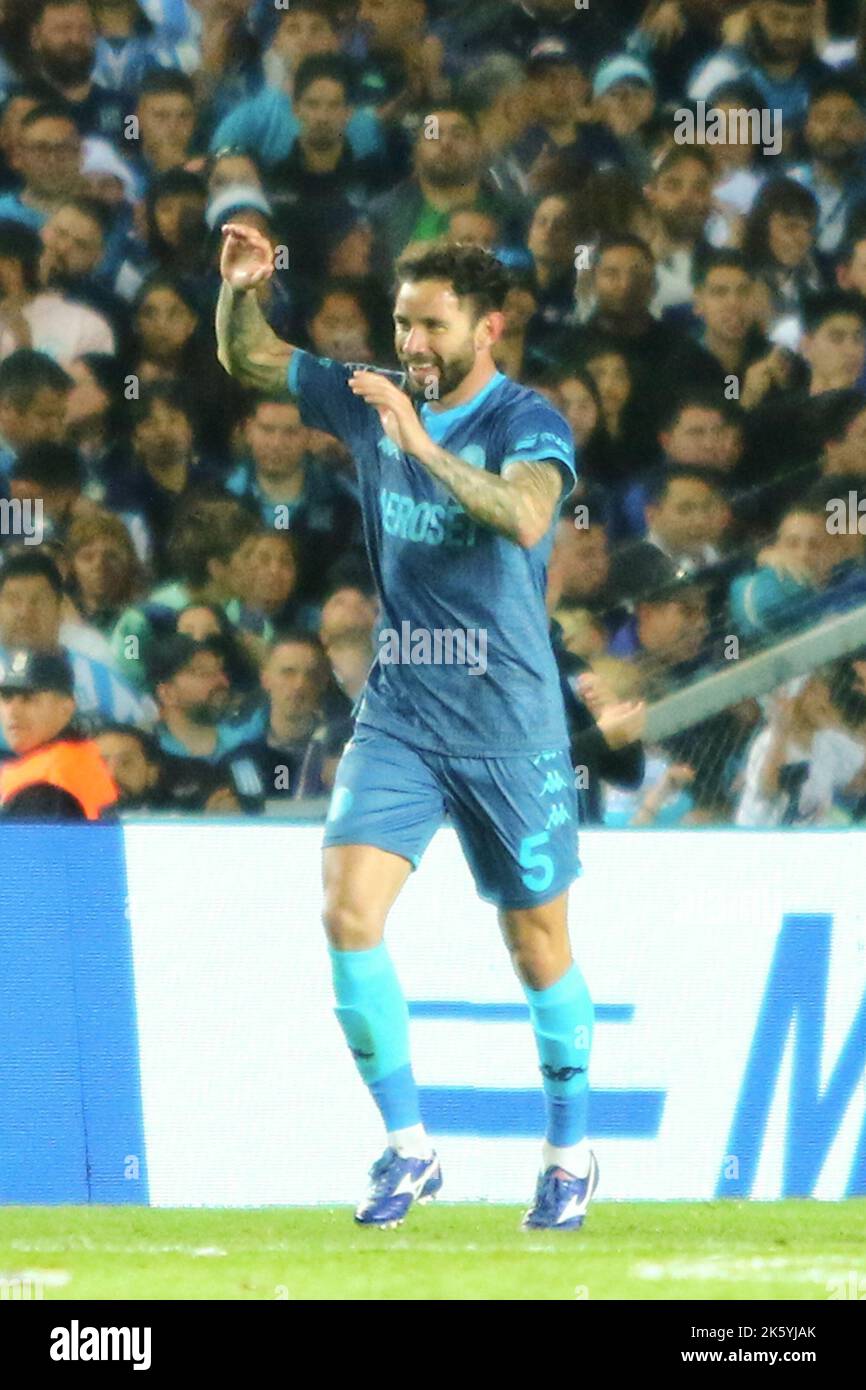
(31, 718)
(437, 337)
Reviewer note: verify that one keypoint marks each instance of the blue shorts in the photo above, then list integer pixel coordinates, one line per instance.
(516, 817)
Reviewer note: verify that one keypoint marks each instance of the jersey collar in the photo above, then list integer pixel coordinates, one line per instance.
(437, 423)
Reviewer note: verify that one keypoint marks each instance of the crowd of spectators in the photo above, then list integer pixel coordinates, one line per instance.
(694, 304)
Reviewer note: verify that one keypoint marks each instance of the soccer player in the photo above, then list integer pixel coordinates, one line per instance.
(461, 476)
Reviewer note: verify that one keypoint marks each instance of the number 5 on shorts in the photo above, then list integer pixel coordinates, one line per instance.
(541, 865)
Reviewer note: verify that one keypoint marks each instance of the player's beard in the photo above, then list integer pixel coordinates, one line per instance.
(447, 377)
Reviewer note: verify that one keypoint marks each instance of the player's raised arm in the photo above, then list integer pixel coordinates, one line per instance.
(247, 346)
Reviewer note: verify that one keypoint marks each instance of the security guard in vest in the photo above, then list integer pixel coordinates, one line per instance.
(57, 773)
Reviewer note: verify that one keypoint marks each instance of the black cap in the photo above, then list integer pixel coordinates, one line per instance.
(33, 671)
(644, 574)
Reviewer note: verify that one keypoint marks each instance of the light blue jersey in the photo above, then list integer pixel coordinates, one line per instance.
(438, 572)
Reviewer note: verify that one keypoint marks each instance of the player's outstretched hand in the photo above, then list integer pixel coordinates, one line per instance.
(247, 257)
(395, 409)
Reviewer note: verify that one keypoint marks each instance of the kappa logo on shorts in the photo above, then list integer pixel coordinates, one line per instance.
(553, 782)
(558, 816)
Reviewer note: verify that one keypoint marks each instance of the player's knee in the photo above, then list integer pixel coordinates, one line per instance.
(350, 927)
(540, 955)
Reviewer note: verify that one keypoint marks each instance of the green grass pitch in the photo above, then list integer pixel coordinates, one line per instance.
(715, 1250)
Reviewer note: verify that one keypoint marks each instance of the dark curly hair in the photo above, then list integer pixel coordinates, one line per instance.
(472, 272)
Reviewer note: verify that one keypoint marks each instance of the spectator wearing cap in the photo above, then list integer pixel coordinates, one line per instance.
(32, 616)
(289, 490)
(267, 125)
(297, 751)
(49, 162)
(560, 145)
(192, 690)
(47, 320)
(34, 392)
(624, 95)
(667, 627)
(449, 173)
(835, 139)
(54, 773)
(63, 45)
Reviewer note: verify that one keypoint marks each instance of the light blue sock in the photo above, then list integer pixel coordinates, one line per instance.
(373, 1015)
(562, 1019)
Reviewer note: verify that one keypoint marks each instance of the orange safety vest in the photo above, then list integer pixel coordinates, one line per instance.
(75, 766)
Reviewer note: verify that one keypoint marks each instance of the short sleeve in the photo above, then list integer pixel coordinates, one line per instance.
(535, 432)
(321, 388)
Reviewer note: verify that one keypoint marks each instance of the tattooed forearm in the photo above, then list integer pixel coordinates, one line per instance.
(519, 504)
(247, 346)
